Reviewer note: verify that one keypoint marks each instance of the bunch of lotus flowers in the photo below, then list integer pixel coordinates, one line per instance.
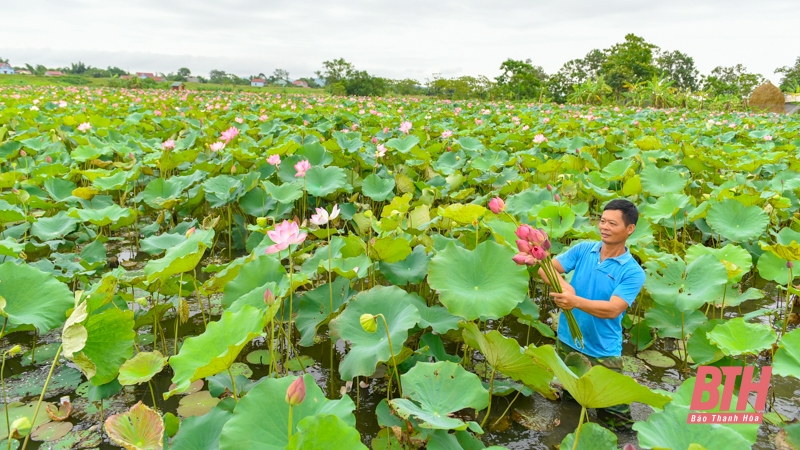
(534, 248)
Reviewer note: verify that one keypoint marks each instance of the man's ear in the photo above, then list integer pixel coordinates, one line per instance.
(631, 229)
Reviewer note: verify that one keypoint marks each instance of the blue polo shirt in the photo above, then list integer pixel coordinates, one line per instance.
(595, 280)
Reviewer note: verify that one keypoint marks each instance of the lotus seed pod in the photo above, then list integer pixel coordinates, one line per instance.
(369, 323)
(789, 264)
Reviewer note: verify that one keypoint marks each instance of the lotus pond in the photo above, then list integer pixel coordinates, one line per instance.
(194, 271)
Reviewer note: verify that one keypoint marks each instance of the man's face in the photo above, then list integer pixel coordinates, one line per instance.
(612, 228)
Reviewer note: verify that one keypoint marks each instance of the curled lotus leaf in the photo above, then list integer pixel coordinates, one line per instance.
(141, 368)
(140, 428)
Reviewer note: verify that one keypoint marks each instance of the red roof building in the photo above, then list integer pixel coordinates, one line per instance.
(300, 83)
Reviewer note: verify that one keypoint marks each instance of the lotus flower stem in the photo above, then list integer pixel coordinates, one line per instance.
(555, 283)
(41, 396)
(507, 408)
(177, 317)
(5, 397)
(230, 224)
(233, 383)
(788, 298)
(290, 422)
(291, 299)
(152, 392)
(578, 430)
(394, 362)
(491, 388)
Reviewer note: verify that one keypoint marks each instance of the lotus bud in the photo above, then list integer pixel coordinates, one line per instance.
(130, 155)
(524, 231)
(190, 231)
(497, 205)
(14, 350)
(789, 264)
(233, 169)
(369, 323)
(549, 187)
(48, 159)
(557, 198)
(21, 427)
(261, 221)
(296, 392)
(547, 245)
(520, 258)
(375, 140)
(523, 246)
(269, 297)
(23, 153)
(538, 252)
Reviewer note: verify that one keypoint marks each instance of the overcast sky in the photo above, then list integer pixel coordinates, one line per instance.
(410, 39)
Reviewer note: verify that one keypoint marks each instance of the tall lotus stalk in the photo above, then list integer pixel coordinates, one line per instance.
(534, 248)
(284, 235)
(12, 352)
(295, 395)
(789, 266)
(369, 323)
(322, 218)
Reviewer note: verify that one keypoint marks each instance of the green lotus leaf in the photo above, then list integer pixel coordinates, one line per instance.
(505, 355)
(198, 404)
(436, 317)
(733, 297)
(555, 219)
(668, 429)
(346, 143)
(223, 189)
(368, 349)
(789, 252)
(285, 193)
(700, 349)
(50, 432)
(216, 349)
(481, 283)
(181, 258)
(253, 279)
(787, 359)
(56, 227)
(140, 428)
(10, 247)
(315, 307)
(658, 181)
(114, 182)
(260, 419)
(599, 387)
(737, 337)
(736, 222)
(17, 410)
(109, 343)
(10, 213)
(773, 268)
(616, 170)
(737, 261)
(655, 358)
(666, 207)
(163, 194)
(413, 269)
(464, 214)
(377, 188)
(435, 391)
(203, 432)
(141, 368)
(324, 432)
(59, 190)
(32, 297)
(322, 181)
(156, 244)
(672, 283)
(403, 145)
(592, 437)
(390, 249)
(113, 214)
(671, 322)
(257, 203)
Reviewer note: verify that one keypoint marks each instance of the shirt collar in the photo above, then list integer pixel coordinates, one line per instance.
(621, 259)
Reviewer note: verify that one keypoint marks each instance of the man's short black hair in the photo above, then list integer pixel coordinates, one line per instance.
(630, 215)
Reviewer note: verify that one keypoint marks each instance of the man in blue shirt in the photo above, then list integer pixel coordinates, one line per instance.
(605, 282)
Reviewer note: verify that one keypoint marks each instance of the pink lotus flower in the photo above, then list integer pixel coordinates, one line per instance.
(84, 127)
(62, 104)
(274, 160)
(497, 205)
(405, 127)
(301, 168)
(380, 151)
(157, 112)
(285, 234)
(539, 138)
(269, 297)
(217, 146)
(263, 118)
(446, 134)
(229, 134)
(533, 245)
(322, 217)
(239, 120)
(169, 143)
(768, 137)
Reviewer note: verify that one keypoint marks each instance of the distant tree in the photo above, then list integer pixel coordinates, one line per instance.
(4, 60)
(112, 71)
(790, 82)
(261, 75)
(184, 72)
(40, 69)
(335, 71)
(573, 73)
(733, 80)
(461, 88)
(363, 84)
(520, 80)
(78, 68)
(280, 74)
(629, 62)
(679, 68)
(407, 86)
(217, 76)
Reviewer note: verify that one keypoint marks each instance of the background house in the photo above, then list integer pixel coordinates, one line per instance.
(300, 83)
(23, 72)
(6, 69)
(257, 82)
(178, 86)
(53, 73)
(144, 75)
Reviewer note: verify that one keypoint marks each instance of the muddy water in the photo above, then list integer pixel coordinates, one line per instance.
(531, 422)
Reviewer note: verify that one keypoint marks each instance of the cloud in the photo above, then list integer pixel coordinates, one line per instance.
(412, 39)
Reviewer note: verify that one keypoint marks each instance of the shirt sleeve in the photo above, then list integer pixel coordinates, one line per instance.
(630, 286)
(569, 259)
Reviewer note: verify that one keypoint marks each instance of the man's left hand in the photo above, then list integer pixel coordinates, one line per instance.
(566, 300)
